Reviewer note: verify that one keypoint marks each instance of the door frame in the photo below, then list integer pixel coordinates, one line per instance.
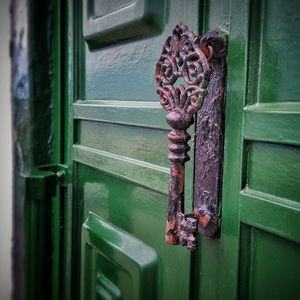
(37, 113)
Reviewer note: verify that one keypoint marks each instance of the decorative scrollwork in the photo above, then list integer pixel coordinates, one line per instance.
(183, 72)
(182, 58)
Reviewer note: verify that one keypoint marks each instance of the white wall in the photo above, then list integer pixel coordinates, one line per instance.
(5, 155)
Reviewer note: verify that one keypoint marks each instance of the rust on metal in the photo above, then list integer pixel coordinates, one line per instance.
(203, 218)
(181, 59)
(209, 141)
(185, 59)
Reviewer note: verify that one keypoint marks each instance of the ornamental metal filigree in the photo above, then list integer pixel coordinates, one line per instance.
(182, 77)
(182, 58)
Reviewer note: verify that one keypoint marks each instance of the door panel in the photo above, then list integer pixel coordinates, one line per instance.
(139, 211)
(273, 40)
(124, 69)
(261, 172)
(282, 161)
(115, 264)
(257, 255)
(270, 266)
(119, 153)
(106, 22)
(130, 141)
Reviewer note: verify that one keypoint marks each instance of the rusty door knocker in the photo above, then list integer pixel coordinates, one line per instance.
(197, 64)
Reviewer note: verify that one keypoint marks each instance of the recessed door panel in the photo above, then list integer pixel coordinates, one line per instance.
(115, 265)
(274, 48)
(107, 22)
(266, 273)
(120, 152)
(124, 69)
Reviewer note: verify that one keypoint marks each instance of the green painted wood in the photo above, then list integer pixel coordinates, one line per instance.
(273, 214)
(282, 161)
(258, 264)
(226, 270)
(105, 196)
(140, 172)
(261, 172)
(68, 92)
(128, 263)
(265, 170)
(143, 144)
(135, 113)
(113, 143)
(120, 173)
(207, 279)
(119, 154)
(278, 36)
(273, 122)
(36, 102)
(105, 22)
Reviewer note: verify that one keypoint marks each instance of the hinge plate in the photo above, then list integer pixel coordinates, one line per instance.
(42, 181)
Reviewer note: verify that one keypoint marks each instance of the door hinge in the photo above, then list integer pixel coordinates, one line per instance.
(42, 181)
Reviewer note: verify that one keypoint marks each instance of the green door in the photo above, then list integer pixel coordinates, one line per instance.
(116, 150)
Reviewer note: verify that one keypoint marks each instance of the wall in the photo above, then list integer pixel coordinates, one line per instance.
(5, 154)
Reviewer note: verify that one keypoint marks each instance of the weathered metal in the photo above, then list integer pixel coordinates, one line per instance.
(41, 182)
(209, 141)
(185, 57)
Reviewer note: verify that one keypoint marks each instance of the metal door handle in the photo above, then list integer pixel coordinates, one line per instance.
(191, 60)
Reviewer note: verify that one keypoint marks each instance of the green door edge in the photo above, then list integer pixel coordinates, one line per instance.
(37, 141)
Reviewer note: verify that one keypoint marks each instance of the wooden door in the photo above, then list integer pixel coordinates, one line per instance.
(117, 151)
(260, 211)
(258, 253)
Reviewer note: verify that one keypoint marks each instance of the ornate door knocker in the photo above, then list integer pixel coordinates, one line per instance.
(197, 65)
